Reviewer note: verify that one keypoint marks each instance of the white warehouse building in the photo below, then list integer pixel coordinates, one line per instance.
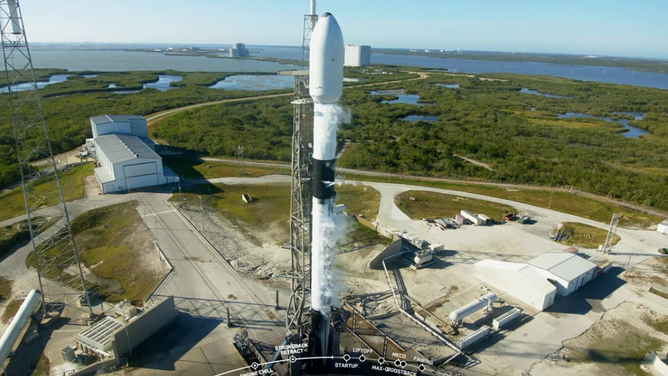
(538, 281)
(357, 56)
(134, 125)
(567, 271)
(126, 163)
(519, 280)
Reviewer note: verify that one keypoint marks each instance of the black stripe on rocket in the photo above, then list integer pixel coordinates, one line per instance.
(323, 179)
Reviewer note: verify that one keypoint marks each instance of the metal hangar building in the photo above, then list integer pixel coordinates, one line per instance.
(126, 157)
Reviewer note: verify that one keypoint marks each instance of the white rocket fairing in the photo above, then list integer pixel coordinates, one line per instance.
(325, 87)
(326, 61)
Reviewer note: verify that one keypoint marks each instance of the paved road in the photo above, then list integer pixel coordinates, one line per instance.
(203, 283)
(641, 244)
(624, 204)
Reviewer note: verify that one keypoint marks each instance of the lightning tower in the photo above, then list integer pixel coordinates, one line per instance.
(55, 255)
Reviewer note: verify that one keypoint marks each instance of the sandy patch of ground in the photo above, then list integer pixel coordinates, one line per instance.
(91, 188)
(615, 345)
(260, 262)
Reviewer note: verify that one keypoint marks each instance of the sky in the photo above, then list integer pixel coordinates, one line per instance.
(610, 27)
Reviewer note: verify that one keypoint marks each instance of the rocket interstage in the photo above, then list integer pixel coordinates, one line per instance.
(325, 87)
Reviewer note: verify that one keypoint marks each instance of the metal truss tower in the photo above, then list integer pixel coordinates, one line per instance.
(612, 231)
(300, 205)
(59, 271)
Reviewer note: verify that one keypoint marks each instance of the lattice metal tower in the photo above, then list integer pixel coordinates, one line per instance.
(612, 231)
(300, 205)
(59, 272)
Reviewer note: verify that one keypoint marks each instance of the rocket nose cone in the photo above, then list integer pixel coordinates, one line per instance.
(326, 60)
(328, 25)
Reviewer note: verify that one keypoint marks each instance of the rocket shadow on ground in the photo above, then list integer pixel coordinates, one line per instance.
(167, 346)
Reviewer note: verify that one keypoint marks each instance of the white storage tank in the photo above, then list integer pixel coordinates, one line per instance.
(482, 302)
(18, 322)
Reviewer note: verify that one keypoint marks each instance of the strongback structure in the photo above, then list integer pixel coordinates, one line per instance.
(300, 205)
(58, 269)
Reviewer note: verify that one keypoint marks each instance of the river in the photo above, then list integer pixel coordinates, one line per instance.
(113, 60)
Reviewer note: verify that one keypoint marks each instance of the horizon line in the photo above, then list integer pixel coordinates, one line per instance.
(435, 50)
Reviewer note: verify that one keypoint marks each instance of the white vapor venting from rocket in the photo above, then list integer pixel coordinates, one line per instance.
(328, 229)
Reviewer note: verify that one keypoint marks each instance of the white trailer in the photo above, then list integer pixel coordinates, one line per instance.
(485, 219)
(471, 217)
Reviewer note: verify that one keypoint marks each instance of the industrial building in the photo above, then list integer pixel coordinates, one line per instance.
(125, 156)
(519, 280)
(567, 271)
(239, 50)
(134, 125)
(357, 56)
(537, 282)
(112, 338)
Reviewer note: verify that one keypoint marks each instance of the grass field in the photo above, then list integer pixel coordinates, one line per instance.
(194, 169)
(270, 207)
(11, 305)
(585, 236)
(419, 205)
(12, 204)
(559, 201)
(11, 236)
(358, 200)
(111, 242)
